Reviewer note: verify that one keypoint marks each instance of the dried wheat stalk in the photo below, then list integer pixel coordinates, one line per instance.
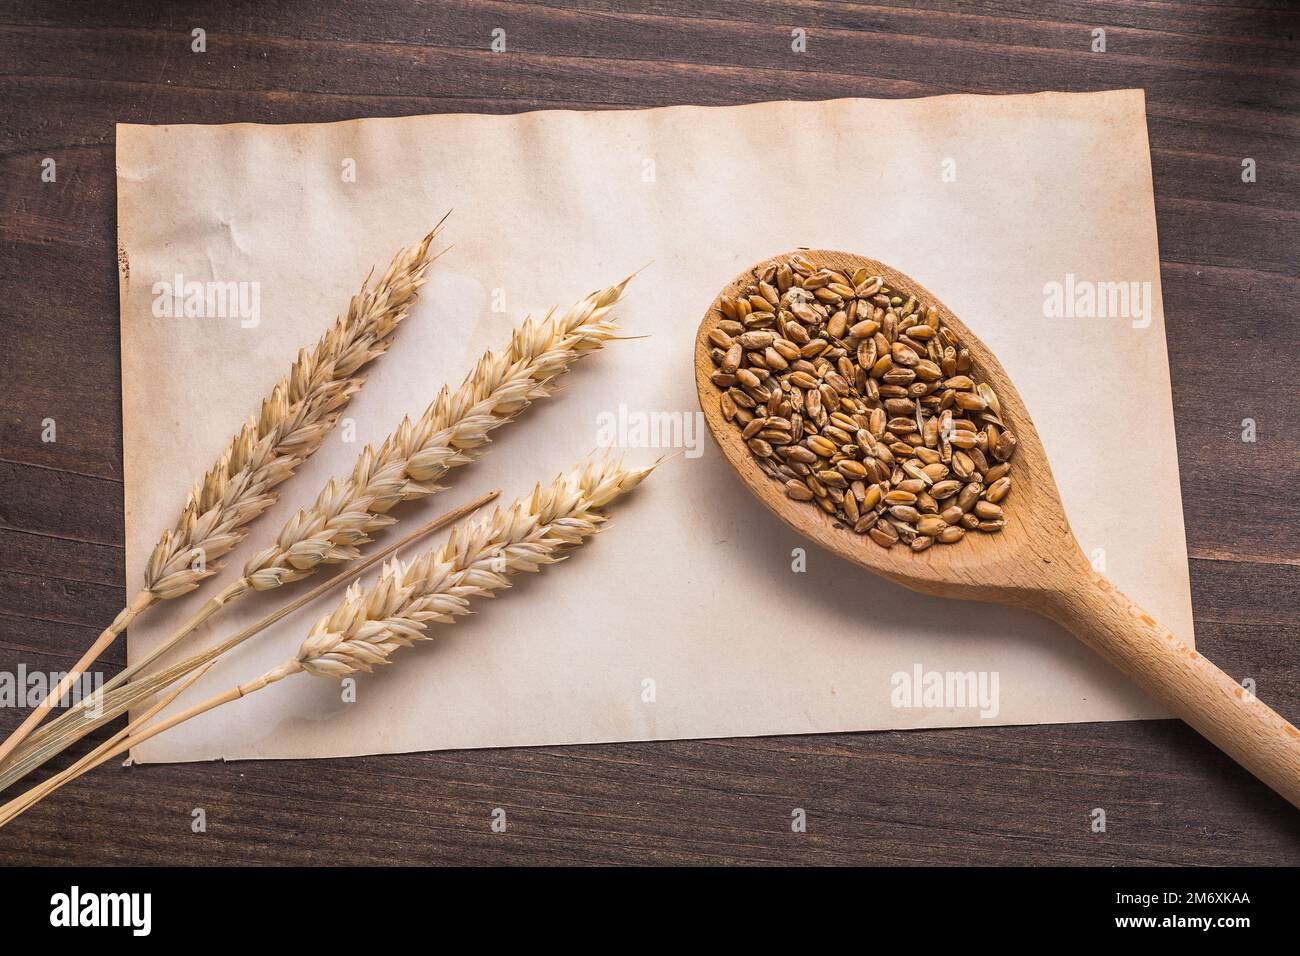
(405, 467)
(293, 420)
(411, 460)
(370, 624)
(111, 701)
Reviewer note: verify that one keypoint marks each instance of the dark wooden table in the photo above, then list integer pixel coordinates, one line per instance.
(1223, 85)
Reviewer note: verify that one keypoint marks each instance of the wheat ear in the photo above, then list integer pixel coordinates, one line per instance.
(292, 422)
(346, 513)
(370, 624)
(419, 453)
(476, 560)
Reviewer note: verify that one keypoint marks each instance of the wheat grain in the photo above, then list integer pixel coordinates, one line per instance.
(863, 403)
(290, 426)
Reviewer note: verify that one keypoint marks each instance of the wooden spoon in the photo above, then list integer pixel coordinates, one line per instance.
(1034, 562)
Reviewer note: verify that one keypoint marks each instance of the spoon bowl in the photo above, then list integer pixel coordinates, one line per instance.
(986, 567)
(1034, 562)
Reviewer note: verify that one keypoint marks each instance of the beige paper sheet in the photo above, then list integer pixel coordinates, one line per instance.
(692, 587)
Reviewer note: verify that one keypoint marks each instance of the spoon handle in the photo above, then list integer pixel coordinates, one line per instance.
(1190, 685)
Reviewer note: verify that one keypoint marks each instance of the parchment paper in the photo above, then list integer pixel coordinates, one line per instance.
(686, 618)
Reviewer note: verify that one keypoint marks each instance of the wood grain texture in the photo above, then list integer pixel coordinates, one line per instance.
(1223, 84)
